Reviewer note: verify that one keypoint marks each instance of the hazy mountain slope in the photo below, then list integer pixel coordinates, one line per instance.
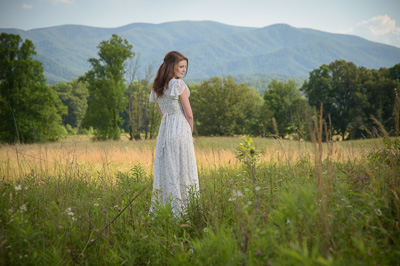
(213, 48)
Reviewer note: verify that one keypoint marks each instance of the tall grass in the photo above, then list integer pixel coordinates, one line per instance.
(283, 203)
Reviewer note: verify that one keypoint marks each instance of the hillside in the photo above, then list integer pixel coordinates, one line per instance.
(213, 49)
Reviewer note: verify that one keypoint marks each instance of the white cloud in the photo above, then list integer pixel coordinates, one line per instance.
(379, 29)
(26, 6)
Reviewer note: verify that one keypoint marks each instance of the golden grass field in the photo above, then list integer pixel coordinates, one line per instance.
(80, 154)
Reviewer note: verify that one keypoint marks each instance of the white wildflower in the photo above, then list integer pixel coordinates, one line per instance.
(237, 193)
(23, 208)
(71, 213)
(68, 210)
(287, 221)
(96, 204)
(258, 188)
(74, 219)
(18, 187)
(232, 199)
(249, 202)
(378, 212)
(116, 206)
(11, 209)
(205, 230)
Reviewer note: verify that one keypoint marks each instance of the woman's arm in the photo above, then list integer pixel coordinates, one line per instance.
(184, 98)
(159, 110)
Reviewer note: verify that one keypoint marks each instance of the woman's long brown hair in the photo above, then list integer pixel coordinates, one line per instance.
(167, 71)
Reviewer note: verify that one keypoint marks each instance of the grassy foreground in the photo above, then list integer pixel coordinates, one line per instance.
(295, 203)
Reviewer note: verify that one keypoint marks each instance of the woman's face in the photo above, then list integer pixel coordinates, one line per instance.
(180, 69)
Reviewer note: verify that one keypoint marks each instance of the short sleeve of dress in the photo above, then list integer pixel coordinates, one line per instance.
(177, 87)
(153, 97)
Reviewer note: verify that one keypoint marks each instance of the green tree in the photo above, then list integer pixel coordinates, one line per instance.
(30, 111)
(378, 86)
(106, 86)
(284, 103)
(73, 95)
(223, 107)
(339, 88)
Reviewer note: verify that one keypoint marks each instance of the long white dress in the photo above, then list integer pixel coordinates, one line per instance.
(175, 169)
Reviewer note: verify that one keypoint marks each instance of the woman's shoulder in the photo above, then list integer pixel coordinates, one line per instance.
(176, 86)
(175, 81)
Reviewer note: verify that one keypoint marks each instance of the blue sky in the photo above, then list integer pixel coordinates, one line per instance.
(376, 20)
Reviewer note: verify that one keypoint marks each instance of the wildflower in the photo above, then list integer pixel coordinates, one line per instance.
(104, 210)
(205, 230)
(258, 253)
(237, 193)
(232, 199)
(330, 249)
(98, 198)
(74, 219)
(26, 188)
(287, 221)
(11, 209)
(349, 206)
(116, 206)
(378, 212)
(96, 204)
(369, 253)
(258, 188)
(249, 202)
(119, 209)
(71, 213)
(68, 210)
(269, 263)
(22, 208)
(18, 187)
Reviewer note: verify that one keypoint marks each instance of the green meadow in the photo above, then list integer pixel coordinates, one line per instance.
(261, 202)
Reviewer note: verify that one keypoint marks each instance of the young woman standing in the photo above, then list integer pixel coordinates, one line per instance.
(175, 170)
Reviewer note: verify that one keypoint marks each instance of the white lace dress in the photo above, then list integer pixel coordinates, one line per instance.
(175, 170)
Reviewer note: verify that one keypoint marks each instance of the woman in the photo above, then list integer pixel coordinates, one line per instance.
(175, 170)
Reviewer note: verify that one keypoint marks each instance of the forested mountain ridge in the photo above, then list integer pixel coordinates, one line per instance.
(213, 48)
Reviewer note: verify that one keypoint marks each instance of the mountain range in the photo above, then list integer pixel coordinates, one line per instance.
(213, 49)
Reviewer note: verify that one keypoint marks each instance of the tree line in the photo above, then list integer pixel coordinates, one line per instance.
(111, 99)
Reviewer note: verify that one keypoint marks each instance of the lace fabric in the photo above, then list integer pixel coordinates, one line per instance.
(175, 169)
